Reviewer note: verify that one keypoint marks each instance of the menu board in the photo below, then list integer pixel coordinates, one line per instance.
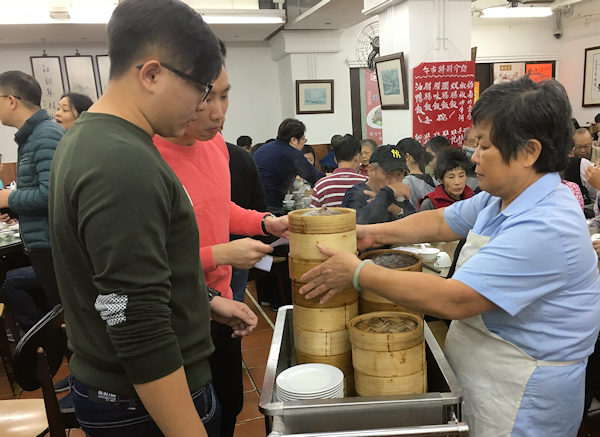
(442, 100)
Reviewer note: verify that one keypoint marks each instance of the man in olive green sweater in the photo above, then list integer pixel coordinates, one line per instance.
(126, 240)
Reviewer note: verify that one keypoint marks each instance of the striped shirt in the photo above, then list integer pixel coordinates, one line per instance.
(330, 190)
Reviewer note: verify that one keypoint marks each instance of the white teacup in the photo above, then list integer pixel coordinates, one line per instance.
(306, 201)
(288, 196)
(442, 260)
(595, 237)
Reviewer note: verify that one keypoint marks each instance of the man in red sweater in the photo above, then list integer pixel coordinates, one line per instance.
(201, 161)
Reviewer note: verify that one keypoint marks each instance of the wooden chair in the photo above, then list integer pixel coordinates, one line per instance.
(37, 358)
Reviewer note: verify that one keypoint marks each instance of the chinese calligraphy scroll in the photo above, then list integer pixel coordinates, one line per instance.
(47, 71)
(442, 100)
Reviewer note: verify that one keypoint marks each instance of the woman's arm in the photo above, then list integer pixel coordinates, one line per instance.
(422, 292)
(416, 228)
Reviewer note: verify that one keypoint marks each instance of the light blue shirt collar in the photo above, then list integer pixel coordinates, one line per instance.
(533, 194)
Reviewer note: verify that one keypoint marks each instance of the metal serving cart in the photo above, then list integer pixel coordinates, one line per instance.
(435, 413)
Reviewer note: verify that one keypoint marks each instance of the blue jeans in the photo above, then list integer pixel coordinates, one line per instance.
(239, 279)
(110, 415)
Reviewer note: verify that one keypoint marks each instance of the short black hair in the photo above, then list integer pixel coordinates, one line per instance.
(449, 159)
(335, 139)
(523, 110)
(308, 149)
(169, 29)
(438, 143)
(368, 142)
(597, 118)
(22, 85)
(256, 147)
(78, 102)
(290, 128)
(346, 148)
(244, 141)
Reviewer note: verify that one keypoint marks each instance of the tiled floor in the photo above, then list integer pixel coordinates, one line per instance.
(255, 350)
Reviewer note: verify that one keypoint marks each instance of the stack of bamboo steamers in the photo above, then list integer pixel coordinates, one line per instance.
(321, 330)
(388, 348)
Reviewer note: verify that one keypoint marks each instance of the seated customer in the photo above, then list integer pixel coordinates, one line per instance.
(24, 297)
(417, 158)
(330, 190)
(383, 197)
(451, 172)
(328, 163)
(279, 162)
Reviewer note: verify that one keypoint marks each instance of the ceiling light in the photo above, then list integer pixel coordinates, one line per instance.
(243, 19)
(519, 12)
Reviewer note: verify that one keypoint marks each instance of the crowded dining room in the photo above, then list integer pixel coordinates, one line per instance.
(316, 218)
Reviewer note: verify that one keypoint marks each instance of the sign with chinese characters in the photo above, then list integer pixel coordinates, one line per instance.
(442, 100)
(540, 70)
(47, 71)
(372, 119)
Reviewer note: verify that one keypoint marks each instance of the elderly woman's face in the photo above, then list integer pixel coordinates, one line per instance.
(495, 176)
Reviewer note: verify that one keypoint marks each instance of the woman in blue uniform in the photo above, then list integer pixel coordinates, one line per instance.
(525, 298)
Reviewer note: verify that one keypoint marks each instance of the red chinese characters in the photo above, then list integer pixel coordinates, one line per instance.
(442, 100)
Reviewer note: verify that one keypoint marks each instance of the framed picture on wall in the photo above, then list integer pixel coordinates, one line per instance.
(103, 64)
(48, 72)
(80, 75)
(391, 80)
(591, 77)
(314, 96)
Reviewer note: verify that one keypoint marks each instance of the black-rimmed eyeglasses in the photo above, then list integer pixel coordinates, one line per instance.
(204, 88)
(9, 95)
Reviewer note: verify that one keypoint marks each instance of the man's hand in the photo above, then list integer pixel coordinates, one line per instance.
(596, 244)
(592, 174)
(4, 198)
(241, 254)
(277, 226)
(5, 218)
(236, 315)
(400, 189)
(394, 209)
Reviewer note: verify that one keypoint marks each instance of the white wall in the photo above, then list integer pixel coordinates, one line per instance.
(533, 39)
(17, 58)
(255, 103)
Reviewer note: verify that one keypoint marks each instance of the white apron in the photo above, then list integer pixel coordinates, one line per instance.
(492, 372)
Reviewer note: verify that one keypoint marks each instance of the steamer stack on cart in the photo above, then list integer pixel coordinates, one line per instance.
(393, 259)
(321, 330)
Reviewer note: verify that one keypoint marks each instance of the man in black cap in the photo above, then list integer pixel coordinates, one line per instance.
(383, 197)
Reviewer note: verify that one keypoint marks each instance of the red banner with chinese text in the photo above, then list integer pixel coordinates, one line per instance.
(442, 100)
(372, 116)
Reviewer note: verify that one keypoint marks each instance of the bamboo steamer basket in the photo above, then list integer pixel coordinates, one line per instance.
(370, 302)
(342, 362)
(388, 353)
(322, 344)
(325, 224)
(324, 319)
(346, 297)
(367, 385)
(336, 231)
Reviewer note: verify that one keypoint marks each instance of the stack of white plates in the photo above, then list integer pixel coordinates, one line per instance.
(310, 381)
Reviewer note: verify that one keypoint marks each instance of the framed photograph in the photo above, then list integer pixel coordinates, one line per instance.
(314, 96)
(80, 75)
(47, 71)
(591, 77)
(391, 80)
(103, 64)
